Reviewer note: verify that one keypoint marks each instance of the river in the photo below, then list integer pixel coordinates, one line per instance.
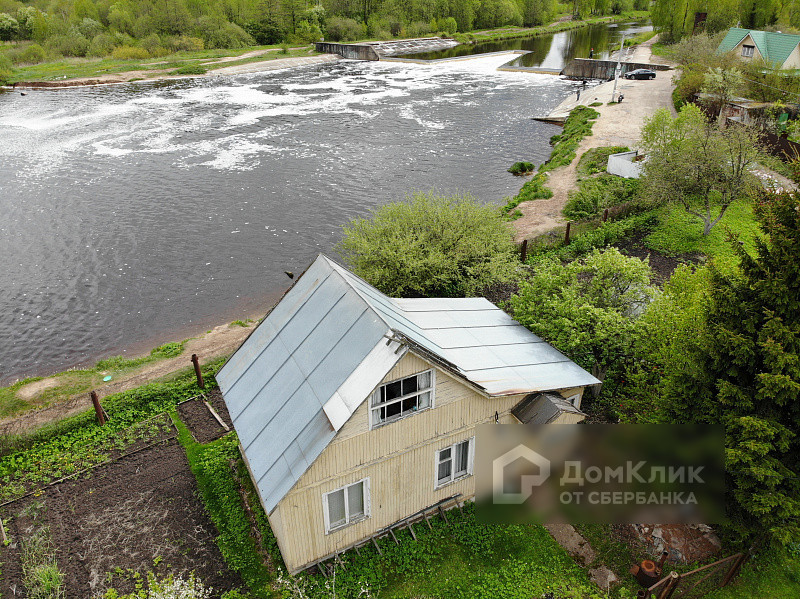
(142, 213)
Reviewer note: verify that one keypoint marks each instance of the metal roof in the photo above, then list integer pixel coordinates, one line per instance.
(333, 337)
(775, 47)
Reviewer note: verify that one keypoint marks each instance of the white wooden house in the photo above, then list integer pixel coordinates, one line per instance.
(355, 410)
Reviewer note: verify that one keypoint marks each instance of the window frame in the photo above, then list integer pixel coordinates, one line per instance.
(348, 519)
(748, 51)
(470, 463)
(374, 423)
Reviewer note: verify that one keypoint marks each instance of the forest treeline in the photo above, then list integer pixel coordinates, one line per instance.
(48, 29)
(676, 18)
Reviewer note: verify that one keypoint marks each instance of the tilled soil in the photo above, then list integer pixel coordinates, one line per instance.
(138, 514)
(663, 266)
(202, 424)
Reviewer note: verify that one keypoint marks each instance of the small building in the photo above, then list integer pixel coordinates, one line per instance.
(355, 410)
(779, 49)
(625, 164)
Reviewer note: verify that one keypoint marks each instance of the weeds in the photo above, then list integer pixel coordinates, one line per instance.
(40, 574)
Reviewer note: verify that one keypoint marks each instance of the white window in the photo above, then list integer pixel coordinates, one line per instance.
(454, 462)
(402, 397)
(575, 400)
(747, 51)
(347, 505)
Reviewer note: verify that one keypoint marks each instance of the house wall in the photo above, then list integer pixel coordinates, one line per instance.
(399, 459)
(793, 62)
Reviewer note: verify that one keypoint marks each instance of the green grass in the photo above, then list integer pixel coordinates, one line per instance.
(775, 574)
(678, 232)
(640, 38)
(40, 573)
(595, 160)
(577, 126)
(73, 382)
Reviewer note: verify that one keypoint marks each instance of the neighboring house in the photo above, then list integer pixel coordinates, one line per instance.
(780, 49)
(355, 410)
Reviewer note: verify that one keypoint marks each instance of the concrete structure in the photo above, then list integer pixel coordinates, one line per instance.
(378, 50)
(587, 68)
(351, 51)
(780, 49)
(625, 165)
(355, 411)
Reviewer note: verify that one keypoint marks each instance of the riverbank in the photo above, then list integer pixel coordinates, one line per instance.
(619, 124)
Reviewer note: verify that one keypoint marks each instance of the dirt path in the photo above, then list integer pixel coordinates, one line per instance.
(618, 125)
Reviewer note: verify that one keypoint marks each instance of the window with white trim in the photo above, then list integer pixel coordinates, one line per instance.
(402, 397)
(747, 51)
(347, 505)
(454, 462)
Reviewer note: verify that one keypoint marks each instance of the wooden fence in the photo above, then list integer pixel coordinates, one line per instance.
(696, 583)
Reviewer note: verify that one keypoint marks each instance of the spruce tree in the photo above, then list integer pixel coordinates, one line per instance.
(745, 374)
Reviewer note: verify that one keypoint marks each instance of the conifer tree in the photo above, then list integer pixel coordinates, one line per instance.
(745, 374)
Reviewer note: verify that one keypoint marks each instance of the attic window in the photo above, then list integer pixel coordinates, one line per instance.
(747, 51)
(402, 397)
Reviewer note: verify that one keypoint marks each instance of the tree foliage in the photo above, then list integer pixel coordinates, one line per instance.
(588, 308)
(743, 370)
(697, 164)
(430, 246)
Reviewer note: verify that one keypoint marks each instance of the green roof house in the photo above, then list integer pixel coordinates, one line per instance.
(780, 49)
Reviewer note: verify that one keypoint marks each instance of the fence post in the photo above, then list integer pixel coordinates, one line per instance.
(524, 251)
(3, 532)
(737, 563)
(566, 233)
(605, 215)
(200, 382)
(98, 409)
(671, 586)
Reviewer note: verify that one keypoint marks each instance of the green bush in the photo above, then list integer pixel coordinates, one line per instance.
(152, 43)
(266, 31)
(307, 33)
(521, 168)
(418, 29)
(129, 53)
(183, 43)
(67, 45)
(340, 29)
(102, 45)
(219, 33)
(596, 194)
(430, 246)
(30, 54)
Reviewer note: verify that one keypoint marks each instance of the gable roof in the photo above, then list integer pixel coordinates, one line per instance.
(774, 47)
(332, 338)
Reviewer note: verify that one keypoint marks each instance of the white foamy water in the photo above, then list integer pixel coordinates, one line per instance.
(137, 213)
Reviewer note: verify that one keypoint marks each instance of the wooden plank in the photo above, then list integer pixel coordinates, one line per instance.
(339, 559)
(391, 532)
(411, 530)
(374, 542)
(441, 511)
(215, 415)
(428, 522)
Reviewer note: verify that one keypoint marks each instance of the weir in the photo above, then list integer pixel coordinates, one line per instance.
(587, 68)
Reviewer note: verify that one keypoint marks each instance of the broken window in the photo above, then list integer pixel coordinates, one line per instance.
(402, 397)
(747, 51)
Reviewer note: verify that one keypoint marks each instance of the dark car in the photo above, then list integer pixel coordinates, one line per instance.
(640, 74)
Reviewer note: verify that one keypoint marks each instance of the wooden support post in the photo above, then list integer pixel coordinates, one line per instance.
(737, 563)
(98, 409)
(566, 233)
(3, 532)
(605, 215)
(458, 505)
(411, 530)
(428, 522)
(671, 586)
(391, 532)
(441, 511)
(339, 559)
(358, 551)
(378, 547)
(321, 570)
(200, 382)
(524, 251)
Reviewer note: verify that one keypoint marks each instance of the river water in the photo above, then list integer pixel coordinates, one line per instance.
(143, 213)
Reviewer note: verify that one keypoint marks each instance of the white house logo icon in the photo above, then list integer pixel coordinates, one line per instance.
(527, 481)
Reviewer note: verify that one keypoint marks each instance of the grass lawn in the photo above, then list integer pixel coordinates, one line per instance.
(774, 573)
(678, 232)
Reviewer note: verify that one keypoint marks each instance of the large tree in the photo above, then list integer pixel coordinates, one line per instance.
(588, 308)
(697, 164)
(743, 371)
(430, 246)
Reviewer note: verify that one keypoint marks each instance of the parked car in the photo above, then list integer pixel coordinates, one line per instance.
(640, 74)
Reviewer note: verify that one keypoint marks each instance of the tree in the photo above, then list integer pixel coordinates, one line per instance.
(744, 372)
(588, 308)
(697, 164)
(722, 85)
(430, 246)
(9, 27)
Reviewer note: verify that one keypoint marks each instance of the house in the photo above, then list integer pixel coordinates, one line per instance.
(355, 410)
(780, 49)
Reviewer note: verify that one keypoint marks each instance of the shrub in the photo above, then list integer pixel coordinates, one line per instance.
(152, 43)
(102, 45)
(218, 33)
(521, 168)
(594, 195)
(129, 53)
(9, 27)
(430, 246)
(31, 54)
(88, 28)
(265, 32)
(418, 29)
(307, 32)
(68, 45)
(448, 25)
(341, 29)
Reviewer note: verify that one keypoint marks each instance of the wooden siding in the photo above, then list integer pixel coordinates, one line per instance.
(399, 458)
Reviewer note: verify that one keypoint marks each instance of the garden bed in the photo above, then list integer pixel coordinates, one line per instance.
(117, 522)
(200, 421)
